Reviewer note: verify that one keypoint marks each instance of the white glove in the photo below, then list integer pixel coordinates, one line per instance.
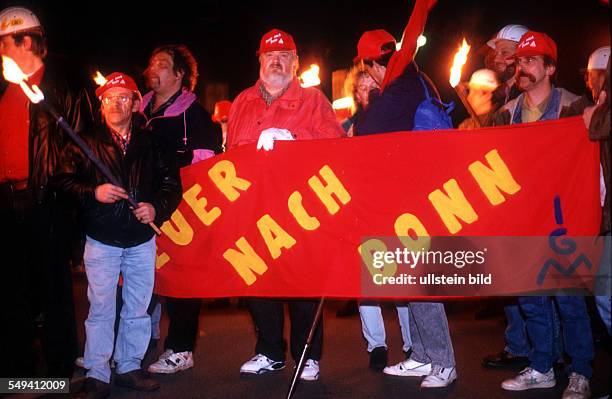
(267, 137)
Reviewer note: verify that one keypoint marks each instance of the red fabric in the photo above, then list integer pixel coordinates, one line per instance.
(400, 60)
(117, 79)
(386, 176)
(276, 40)
(535, 43)
(305, 112)
(14, 131)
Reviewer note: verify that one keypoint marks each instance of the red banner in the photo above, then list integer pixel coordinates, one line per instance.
(294, 222)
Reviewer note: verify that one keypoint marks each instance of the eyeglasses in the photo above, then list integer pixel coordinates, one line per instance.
(525, 61)
(123, 99)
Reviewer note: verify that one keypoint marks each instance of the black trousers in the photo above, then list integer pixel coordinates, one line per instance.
(36, 281)
(184, 317)
(269, 315)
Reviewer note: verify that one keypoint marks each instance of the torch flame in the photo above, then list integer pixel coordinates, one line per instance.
(458, 62)
(12, 73)
(99, 79)
(310, 77)
(344, 102)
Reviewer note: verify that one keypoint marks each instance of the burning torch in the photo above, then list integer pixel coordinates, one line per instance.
(455, 79)
(310, 77)
(12, 73)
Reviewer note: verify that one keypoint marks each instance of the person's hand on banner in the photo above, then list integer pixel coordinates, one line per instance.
(268, 136)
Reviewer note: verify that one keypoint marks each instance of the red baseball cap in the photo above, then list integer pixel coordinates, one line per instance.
(118, 79)
(535, 43)
(276, 40)
(370, 45)
(222, 109)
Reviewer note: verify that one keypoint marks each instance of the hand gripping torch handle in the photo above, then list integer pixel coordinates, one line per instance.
(92, 157)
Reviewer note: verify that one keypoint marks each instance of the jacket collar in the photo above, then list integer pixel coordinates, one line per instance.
(180, 105)
(293, 93)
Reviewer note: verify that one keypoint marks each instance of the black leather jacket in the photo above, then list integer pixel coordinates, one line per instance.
(46, 137)
(147, 171)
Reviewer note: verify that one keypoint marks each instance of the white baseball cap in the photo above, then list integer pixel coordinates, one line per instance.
(599, 58)
(17, 19)
(508, 32)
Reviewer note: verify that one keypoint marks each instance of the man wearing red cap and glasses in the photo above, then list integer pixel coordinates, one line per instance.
(119, 239)
(277, 108)
(536, 60)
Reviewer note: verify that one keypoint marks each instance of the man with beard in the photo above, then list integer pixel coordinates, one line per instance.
(503, 45)
(536, 60)
(277, 108)
(172, 111)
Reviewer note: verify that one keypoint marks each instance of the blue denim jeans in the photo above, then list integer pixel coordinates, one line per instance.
(575, 325)
(373, 325)
(515, 335)
(604, 303)
(103, 264)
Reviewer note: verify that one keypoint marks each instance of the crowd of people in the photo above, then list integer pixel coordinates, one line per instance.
(144, 140)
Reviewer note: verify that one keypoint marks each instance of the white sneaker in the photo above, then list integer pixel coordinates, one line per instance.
(529, 379)
(310, 372)
(409, 368)
(260, 364)
(439, 377)
(578, 387)
(170, 362)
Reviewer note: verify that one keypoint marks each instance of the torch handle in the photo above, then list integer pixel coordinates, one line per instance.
(92, 157)
(461, 92)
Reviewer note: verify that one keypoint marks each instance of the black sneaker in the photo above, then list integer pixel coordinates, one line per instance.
(505, 359)
(378, 358)
(93, 389)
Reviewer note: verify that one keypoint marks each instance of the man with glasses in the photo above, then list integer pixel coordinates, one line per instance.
(278, 108)
(119, 239)
(535, 60)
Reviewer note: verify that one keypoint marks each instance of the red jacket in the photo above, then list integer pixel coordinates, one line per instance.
(305, 112)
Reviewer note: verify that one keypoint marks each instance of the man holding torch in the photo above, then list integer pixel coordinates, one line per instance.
(119, 239)
(36, 250)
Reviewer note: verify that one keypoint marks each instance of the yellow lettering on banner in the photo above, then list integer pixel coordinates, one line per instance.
(245, 261)
(275, 237)
(333, 187)
(182, 234)
(452, 206)
(199, 205)
(408, 222)
(161, 260)
(367, 249)
(298, 211)
(492, 179)
(223, 174)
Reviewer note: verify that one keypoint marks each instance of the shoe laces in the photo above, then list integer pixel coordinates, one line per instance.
(436, 369)
(261, 358)
(311, 363)
(577, 383)
(167, 353)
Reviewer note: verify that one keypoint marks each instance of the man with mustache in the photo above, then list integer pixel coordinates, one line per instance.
(536, 60)
(172, 111)
(277, 108)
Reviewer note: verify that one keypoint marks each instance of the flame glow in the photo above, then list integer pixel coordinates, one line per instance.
(12, 73)
(310, 77)
(342, 103)
(421, 41)
(459, 60)
(99, 79)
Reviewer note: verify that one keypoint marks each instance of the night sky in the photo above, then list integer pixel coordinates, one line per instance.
(224, 35)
